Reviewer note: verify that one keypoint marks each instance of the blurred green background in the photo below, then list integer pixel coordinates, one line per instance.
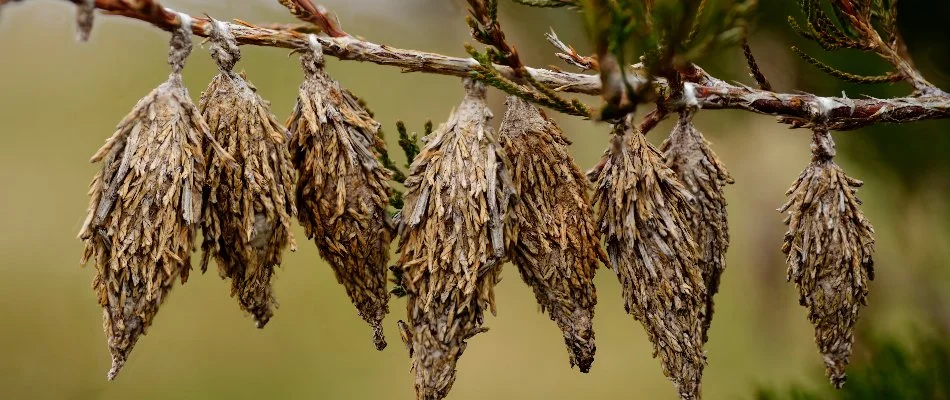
(59, 100)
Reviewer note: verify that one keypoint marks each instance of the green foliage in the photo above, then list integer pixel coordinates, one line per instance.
(821, 29)
(387, 162)
(845, 76)
(535, 93)
(410, 146)
(721, 27)
(866, 25)
(884, 18)
(483, 22)
(410, 143)
(398, 290)
(893, 371)
(395, 196)
(668, 33)
(754, 69)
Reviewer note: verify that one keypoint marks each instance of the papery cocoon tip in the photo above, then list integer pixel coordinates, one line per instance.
(829, 244)
(453, 237)
(342, 190)
(250, 190)
(688, 154)
(643, 213)
(557, 248)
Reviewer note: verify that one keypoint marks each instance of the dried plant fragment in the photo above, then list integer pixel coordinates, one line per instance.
(453, 236)
(250, 200)
(688, 154)
(643, 211)
(144, 207)
(342, 191)
(829, 245)
(558, 247)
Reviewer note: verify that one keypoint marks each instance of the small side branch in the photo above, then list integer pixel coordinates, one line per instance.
(569, 55)
(651, 120)
(306, 11)
(754, 70)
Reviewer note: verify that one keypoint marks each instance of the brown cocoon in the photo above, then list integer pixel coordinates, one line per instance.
(829, 245)
(144, 207)
(342, 190)
(452, 240)
(644, 217)
(250, 191)
(688, 154)
(557, 248)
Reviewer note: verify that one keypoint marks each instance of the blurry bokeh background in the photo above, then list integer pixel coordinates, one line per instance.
(59, 100)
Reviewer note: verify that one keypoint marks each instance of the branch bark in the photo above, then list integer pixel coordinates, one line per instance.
(798, 110)
(808, 110)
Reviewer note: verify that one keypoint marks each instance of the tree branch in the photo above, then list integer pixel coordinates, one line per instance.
(798, 110)
(807, 110)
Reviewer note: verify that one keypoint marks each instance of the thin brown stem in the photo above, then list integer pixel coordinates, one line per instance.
(652, 119)
(754, 67)
(905, 67)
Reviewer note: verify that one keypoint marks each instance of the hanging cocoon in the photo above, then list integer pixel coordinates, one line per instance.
(249, 201)
(342, 188)
(453, 234)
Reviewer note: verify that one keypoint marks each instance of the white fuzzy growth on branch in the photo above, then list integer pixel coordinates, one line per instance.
(825, 105)
(186, 21)
(689, 95)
